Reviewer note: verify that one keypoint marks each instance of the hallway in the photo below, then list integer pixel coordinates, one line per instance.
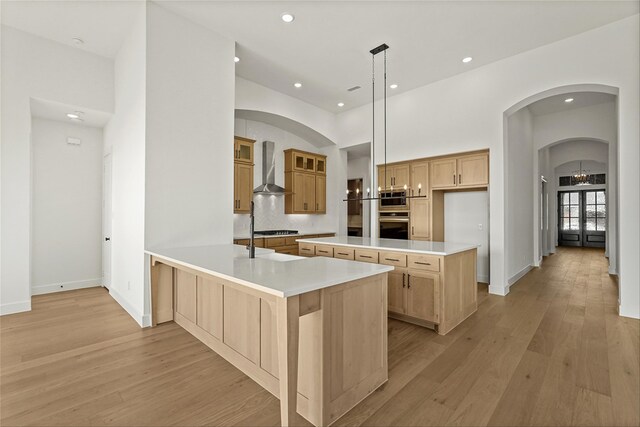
(552, 352)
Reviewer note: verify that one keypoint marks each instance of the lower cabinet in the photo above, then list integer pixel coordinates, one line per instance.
(423, 292)
(397, 290)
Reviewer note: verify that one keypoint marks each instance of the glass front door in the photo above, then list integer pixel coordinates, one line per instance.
(582, 218)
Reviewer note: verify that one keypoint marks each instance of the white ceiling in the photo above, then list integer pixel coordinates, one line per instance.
(50, 110)
(327, 46)
(556, 104)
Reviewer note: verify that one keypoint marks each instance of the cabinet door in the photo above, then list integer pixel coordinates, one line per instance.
(243, 150)
(209, 306)
(186, 294)
(423, 291)
(321, 194)
(473, 171)
(401, 176)
(443, 173)
(309, 191)
(420, 219)
(321, 165)
(244, 187)
(382, 182)
(298, 192)
(397, 291)
(420, 179)
(309, 163)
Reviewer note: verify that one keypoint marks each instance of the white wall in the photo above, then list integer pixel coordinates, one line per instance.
(465, 112)
(35, 67)
(270, 209)
(467, 221)
(189, 132)
(124, 138)
(66, 207)
(361, 168)
(519, 195)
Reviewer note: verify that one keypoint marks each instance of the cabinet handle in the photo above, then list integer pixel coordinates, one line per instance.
(342, 253)
(364, 256)
(391, 259)
(317, 206)
(403, 284)
(454, 179)
(422, 263)
(408, 281)
(412, 230)
(459, 178)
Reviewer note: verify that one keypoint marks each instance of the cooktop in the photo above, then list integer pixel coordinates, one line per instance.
(276, 232)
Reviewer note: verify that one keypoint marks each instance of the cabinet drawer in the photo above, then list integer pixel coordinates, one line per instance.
(424, 262)
(289, 250)
(291, 240)
(366, 255)
(326, 235)
(306, 249)
(324, 250)
(344, 253)
(393, 258)
(275, 242)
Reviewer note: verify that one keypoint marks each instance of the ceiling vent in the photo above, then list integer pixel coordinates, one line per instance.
(351, 89)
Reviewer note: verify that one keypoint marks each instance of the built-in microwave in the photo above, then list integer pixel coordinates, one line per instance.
(393, 200)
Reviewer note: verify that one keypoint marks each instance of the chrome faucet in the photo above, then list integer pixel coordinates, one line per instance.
(252, 243)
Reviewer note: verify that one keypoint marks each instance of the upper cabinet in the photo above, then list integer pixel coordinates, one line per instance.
(242, 174)
(395, 175)
(420, 178)
(243, 149)
(466, 171)
(305, 182)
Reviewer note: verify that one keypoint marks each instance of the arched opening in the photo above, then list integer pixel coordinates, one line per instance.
(544, 136)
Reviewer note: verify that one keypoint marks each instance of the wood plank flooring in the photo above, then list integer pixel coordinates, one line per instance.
(553, 352)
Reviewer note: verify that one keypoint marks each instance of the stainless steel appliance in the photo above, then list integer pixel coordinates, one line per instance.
(395, 200)
(276, 232)
(394, 225)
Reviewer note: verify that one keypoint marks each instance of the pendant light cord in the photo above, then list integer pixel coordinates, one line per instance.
(385, 118)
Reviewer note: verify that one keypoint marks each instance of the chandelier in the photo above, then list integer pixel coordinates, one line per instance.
(368, 196)
(581, 176)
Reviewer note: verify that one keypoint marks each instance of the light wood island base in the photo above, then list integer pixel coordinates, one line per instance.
(321, 352)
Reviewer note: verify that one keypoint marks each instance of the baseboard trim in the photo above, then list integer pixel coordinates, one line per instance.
(520, 274)
(498, 290)
(143, 321)
(65, 286)
(15, 307)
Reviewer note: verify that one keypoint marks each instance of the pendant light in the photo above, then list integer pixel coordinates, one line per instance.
(581, 176)
(380, 195)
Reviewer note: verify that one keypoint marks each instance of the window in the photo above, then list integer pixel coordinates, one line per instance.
(570, 211)
(595, 210)
(598, 178)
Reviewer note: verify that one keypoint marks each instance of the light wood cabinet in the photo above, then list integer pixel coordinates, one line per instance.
(242, 174)
(242, 187)
(305, 183)
(396, 292)
(420, 220)
(209, 306)
(243, 149)
(397, 176)
(423, 291)
(470, 171)
(473, 171)
(420, 179)
(285, 245)
(186, 294)
(443, 173)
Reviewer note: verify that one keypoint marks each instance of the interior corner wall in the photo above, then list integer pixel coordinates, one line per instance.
(34, 67)
(190, 81)
(66, 207)
(124, 138)
(519, 194)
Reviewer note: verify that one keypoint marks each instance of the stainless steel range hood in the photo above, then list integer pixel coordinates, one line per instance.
(268, 186)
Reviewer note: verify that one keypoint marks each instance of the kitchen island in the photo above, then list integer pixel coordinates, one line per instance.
(313, 332)
(433, 283)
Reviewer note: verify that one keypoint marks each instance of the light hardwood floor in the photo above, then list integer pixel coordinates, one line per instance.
(552, 352)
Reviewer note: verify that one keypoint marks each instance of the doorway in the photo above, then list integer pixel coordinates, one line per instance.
(354, 207)
(582, 218)
(106, 222)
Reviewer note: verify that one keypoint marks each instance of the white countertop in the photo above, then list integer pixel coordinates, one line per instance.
(277, 274)
(416, 246)
(258, 236)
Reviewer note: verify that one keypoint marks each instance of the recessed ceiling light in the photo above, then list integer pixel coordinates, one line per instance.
(340, 104)
(287, 17)
(298, 85)
(236, 59)
(467, 59)
(78, 119)
(77, 41)
(393, 86)
(568, 100)
(73, 116)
